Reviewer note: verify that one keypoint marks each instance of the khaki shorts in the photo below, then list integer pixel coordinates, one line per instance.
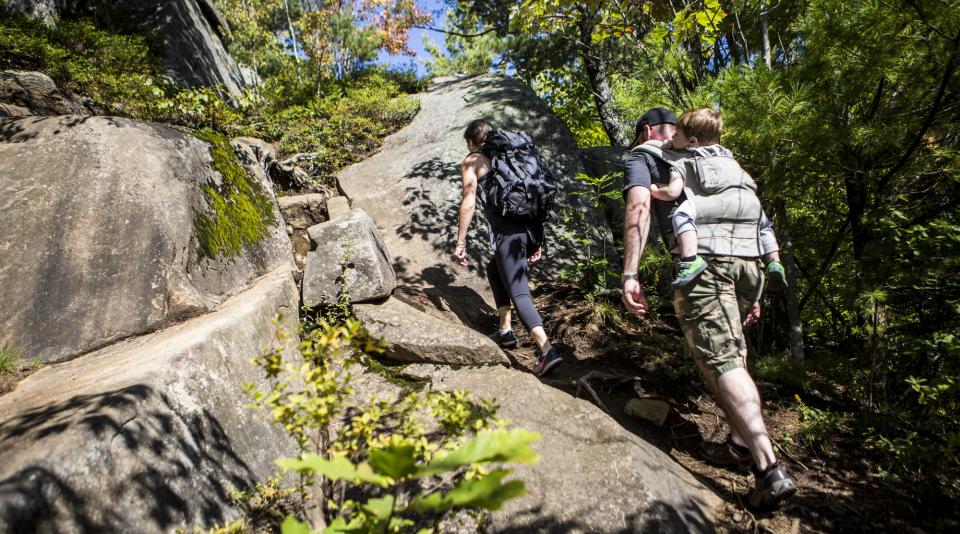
(711, 311)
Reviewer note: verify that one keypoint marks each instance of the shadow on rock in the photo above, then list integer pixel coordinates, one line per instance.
(657, 518)
(108, 461)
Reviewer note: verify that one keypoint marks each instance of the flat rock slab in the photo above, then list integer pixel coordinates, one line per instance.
(149, 434)
(593, 475)
(351, 257)
(416, 336)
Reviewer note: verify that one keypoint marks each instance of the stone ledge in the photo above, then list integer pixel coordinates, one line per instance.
(148, 434)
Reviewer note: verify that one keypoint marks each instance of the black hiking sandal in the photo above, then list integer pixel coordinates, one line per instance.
(546, 362)
(772, 487)
(727, 454)
(506, 340)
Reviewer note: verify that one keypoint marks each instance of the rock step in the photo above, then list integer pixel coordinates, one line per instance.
(148, 434)
(593, 475)
(416, 336)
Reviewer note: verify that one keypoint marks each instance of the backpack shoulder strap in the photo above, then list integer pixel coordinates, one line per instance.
(671, 157)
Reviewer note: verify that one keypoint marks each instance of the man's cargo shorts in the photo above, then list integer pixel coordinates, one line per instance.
(711, 310)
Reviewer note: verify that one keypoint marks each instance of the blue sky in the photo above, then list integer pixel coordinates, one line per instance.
(438, 9)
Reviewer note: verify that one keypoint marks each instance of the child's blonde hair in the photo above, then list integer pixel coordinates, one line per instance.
(705, 124)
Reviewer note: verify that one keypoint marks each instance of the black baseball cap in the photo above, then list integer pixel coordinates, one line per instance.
(655, 116)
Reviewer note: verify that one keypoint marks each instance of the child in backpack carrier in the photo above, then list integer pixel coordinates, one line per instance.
(719, 195)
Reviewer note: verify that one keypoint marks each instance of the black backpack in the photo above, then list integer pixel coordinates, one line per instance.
(519, 186)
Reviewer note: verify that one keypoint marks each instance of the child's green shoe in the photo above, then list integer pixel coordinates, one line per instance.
(687, 271)
(777, 276)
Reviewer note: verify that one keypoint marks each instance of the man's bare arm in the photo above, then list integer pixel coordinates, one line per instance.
(636, 228)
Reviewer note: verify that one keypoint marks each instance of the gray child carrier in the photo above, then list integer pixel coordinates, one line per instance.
(724, 195)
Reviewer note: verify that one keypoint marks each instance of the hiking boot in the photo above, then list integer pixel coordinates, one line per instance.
(687, 271)
(777, 276)
(727, 454)
(546, 362)
(772, 487)
(506, 340)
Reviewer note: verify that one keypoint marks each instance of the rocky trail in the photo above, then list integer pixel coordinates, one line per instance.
(144, 311)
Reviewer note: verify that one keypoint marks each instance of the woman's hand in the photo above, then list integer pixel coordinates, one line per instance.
(460, 253)
(535, 257)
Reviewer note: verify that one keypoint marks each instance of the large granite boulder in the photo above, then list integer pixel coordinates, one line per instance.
(34, 93)
(593, 475)
(412, 189)
(413, 335)
(193, 37)
(149, 434)
(192, 33)
(111, 228)
(350, 258)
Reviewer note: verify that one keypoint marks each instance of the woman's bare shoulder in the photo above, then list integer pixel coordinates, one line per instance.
(475, 160)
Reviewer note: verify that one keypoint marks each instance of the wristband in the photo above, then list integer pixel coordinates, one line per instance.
(630, 276)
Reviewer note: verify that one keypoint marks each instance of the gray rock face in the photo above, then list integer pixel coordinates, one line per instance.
(593, 476)
(45, 10)
(192, 33)
(36, 93)
(416, 336)
(97, 233)
(350, 255)
(412, 189)
(149, 434)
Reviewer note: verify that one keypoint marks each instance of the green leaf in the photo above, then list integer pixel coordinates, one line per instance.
(485, 492)
(381, 508)
(497, 446)
(340, 526)
(336, 468)
(395, 461)
(292, 526)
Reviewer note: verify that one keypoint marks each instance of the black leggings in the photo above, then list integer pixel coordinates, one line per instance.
(507, 274)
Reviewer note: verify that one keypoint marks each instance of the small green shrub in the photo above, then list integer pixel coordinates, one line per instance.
(817, 426)
(367, 467)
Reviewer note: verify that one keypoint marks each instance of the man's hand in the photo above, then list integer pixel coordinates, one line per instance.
(633, 298)
(753, 315)
(535, 257)
(460, 254)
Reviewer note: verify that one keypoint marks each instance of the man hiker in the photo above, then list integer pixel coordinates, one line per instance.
(712, 310)
(516, 244)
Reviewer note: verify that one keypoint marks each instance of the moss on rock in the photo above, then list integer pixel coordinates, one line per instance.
(240, 211)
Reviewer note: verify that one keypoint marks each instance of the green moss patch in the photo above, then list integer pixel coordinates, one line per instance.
(241, 212)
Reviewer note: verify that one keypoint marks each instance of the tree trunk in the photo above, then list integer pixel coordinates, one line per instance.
(293, 35)
(765, 36)
(790, 264)
(597, 76)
